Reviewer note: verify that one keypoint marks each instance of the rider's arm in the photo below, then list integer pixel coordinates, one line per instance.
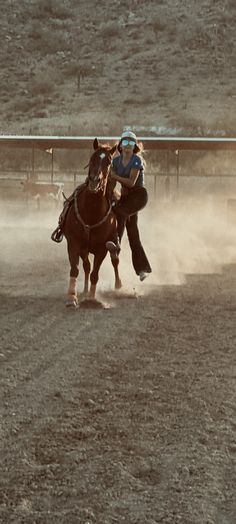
(126, 182)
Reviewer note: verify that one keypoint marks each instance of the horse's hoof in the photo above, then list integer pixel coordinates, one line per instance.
(72, 303)
(118, 285)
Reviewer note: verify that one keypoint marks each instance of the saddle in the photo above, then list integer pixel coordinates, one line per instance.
(57, 234)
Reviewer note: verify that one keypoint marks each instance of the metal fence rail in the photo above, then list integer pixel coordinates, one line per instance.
(85, 142)
(171, 177)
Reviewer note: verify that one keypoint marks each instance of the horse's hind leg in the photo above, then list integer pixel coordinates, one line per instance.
(115, 262)
(98, 259)
(73, 253)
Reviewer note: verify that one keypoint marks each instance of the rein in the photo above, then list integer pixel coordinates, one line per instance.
(87, 227)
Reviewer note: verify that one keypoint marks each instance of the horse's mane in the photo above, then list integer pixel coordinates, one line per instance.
(107, 147)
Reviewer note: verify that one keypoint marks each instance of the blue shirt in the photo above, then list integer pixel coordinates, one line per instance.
(124, 171)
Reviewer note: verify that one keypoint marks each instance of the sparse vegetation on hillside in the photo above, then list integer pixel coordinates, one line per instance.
(64, 63)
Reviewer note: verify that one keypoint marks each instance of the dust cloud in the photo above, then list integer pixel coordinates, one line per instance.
(189, 237)
(180, 237)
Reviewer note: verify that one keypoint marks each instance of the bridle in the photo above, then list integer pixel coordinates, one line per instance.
(97, 181)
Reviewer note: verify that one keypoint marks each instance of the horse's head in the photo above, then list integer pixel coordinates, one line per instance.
(99, 166)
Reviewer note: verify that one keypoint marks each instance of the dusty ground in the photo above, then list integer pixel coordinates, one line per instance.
(125, 414)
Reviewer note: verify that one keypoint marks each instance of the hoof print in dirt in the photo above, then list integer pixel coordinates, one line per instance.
(91, 303)
(127, 295)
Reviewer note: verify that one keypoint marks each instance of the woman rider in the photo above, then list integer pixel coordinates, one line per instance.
(128, 170)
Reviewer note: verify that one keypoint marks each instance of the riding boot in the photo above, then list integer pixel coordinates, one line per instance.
(113, 248)
(57, 234)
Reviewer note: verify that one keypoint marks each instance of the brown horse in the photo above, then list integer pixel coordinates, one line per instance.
(90, 223)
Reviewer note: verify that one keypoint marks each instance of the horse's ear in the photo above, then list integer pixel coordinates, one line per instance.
(95, 144)
(113, 149)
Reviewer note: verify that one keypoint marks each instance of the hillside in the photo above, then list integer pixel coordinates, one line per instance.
(90, 67)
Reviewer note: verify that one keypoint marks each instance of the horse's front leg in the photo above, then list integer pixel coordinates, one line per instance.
(98, 259)
(73, 253)
(86, 266)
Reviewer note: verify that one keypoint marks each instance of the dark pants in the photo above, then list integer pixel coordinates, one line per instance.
(127, 216)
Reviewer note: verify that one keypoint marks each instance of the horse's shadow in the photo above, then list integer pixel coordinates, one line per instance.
(93, 303)
(105, 299)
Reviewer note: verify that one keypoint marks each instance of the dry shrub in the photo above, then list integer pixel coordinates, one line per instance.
(41, 113)
(41, 87)
(159, 25)
(26, 105)
(35, 31)
(49, 42)
(71, 70)
(109, 31)
(53, 9)
(23, 106)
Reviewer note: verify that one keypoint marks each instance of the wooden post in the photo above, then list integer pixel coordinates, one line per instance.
(52, 166)
(167, 180)
(32, 163)
(155, 184)
(177, 172)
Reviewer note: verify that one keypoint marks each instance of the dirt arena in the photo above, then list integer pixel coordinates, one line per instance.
(126, 413)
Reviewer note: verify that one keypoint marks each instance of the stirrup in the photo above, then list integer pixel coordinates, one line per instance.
(57, 235)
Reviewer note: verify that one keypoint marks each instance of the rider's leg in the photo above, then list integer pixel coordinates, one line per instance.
(127, 206)
(140, 262)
